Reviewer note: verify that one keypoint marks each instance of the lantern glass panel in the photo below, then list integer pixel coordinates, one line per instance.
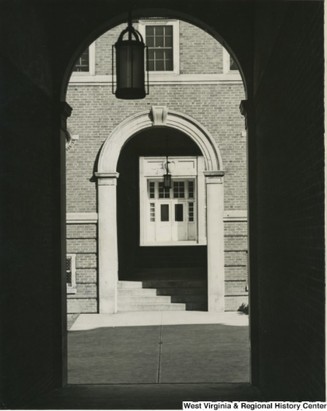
(130, 69)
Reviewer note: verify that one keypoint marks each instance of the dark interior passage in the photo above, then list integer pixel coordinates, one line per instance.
(288, 334)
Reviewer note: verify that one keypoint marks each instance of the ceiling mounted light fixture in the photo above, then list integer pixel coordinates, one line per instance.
(131, 56)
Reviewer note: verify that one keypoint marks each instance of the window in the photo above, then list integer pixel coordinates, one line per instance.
(85, 64)
(71, 273)
(179, 191)
(159, 40)
(162, 39)
(229, 64)
(164, 212)
(179, 212)
(163, 191)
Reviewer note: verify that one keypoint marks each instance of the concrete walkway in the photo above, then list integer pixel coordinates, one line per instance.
(159, 348)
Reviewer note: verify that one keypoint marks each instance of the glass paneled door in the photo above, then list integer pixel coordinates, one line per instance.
(171, 212)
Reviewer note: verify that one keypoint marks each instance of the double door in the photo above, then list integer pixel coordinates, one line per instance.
(171, 211)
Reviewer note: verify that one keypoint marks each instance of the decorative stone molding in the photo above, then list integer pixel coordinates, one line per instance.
(107, 201)
(235, 215)
(82, 218)
(107, 179)
(111, 149)
(166, 79)
(159, 115)
(214, 177)
(100, 175)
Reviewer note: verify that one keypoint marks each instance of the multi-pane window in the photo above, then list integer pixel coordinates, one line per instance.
(179, 189)
(71, 273)
(191, 189)
(151, 189)
(163, 191)
(191, 211)
(83, 62)
(159, 40)
(152, 212)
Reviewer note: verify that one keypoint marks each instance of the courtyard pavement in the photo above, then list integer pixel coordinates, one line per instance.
(159, 348)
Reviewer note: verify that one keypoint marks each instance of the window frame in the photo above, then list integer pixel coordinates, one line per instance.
(91, 71)
(175, 23)
(226, 63)
(72, 289)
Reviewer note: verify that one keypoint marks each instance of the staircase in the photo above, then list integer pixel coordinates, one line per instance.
(162, 295)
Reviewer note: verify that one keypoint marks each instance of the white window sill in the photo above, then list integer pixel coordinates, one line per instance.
(172, 244)
(164, 78)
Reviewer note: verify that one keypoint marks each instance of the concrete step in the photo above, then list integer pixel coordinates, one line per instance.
(181, 291)
(129, 284)
(162, 295)
(144, 299)
(178, 272)
(196, 306)
(150, 307)
(173, 284)
(150, 292)
(188, 299)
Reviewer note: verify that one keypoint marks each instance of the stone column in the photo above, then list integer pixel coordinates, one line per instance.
(107, 247)
(215, 240)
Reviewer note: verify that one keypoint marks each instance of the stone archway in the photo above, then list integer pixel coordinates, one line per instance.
(159, 116)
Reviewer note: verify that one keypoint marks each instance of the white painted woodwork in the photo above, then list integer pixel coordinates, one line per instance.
(153, 230)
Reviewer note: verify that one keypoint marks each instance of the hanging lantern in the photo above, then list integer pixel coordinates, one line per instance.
(167, 177)
(130, 64)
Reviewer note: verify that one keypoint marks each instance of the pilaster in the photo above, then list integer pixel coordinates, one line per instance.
(108, 248)
(215, 240)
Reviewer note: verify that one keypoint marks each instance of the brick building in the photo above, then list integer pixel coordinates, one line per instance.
(123, 227)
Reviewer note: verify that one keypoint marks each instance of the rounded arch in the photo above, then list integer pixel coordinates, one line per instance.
(159, 116)
(121, 17)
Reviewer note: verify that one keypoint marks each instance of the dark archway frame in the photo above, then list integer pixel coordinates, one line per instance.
(97, 27)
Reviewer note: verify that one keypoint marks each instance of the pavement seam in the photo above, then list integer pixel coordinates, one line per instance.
(160, 350)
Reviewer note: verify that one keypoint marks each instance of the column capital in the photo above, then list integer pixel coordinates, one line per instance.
(106, 175)
(215, 173)
(107, 179)
(214, 177)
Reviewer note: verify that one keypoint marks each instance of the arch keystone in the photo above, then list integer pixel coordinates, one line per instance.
(158, 115)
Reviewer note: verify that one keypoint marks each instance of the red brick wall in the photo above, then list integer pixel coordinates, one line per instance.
(96, 112)
(195, 45)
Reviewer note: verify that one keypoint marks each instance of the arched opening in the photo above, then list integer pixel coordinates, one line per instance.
(115, 140)
(288, 219)
(159, 133)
